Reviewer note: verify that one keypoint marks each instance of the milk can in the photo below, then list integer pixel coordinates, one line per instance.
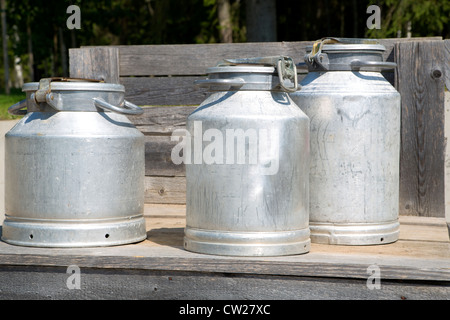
(355, 143)
(74, 172)
(247, 162)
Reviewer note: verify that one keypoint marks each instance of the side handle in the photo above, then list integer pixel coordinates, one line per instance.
(17, 109)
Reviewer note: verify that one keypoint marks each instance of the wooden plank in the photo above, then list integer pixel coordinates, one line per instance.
(167, 291)
(99, 63)
(144, 60)
(421, 85)
(169, 258)
(158, 160)
(163, 90)
(165, 190)
(407, 259)
(165, 211)
(158, 124)
(193, 59)
(169, 90)
(447, 64)
(162, 120)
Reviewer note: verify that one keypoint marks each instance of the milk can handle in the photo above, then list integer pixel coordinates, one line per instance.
(16, 109)
(376, 64)
(212, 82)
(130, 108)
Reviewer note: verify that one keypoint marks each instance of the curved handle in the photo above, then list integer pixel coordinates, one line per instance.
(375, 64)
(130, 108)
(16, 109)
(213, 82)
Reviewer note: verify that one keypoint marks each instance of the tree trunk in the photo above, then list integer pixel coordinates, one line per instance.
(63, 52)
(54, 54)
(226, 31)
(5, 46)
(261, 20)
(18, 71)
(30, 52)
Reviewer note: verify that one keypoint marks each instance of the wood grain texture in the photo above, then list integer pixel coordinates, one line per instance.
(168, 291)
(447, 64)
(420, 82)
(169, 190)
(158, 159)
(163, 90)
(168, 90)
(99, 63)
(158, 124)
(162, 121)
(194, 59)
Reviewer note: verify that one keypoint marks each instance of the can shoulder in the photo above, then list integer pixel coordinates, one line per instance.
(348, 82)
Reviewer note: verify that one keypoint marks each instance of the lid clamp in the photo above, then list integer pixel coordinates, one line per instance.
(44, 92)
(284, 65)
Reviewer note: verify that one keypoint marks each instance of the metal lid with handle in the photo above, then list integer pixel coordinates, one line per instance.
(253, 74)
(346, 54)
(73, 94)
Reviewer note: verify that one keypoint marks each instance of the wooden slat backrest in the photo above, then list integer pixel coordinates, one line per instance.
(162, 76)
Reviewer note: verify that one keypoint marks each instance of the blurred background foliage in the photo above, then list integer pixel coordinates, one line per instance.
(38, 38)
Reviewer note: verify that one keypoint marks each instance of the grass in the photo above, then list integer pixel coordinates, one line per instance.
(6, 101)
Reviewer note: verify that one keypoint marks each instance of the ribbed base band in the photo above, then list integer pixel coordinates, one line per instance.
(228, 243)
(355, 234)
(67, 234)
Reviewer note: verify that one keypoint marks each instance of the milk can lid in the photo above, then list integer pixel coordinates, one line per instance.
(256, 73)
(346, 54)
(73, 94)
(73, 84)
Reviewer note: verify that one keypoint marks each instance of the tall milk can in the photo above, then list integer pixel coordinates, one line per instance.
(355, 143)
(247, 162)
(74, 172)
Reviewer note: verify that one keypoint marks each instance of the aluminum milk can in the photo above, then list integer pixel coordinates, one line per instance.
(355, 143)
(247, 162)
(74, 173)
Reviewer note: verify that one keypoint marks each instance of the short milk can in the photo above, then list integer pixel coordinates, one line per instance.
(74, 172)
(247, 162)
(355, 142)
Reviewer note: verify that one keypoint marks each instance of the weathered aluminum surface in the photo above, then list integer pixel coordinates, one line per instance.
(245, 207)
(355, 147)
(74, 179)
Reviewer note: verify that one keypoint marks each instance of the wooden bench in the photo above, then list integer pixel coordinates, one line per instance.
(161, 77)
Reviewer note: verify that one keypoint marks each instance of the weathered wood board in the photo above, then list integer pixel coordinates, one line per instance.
(414, 267)
(420, 80)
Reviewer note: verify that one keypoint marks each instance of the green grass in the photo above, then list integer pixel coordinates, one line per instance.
(6, 101)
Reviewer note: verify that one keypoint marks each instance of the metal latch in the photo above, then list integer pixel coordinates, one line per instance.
(43, 94)
(285, 67)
